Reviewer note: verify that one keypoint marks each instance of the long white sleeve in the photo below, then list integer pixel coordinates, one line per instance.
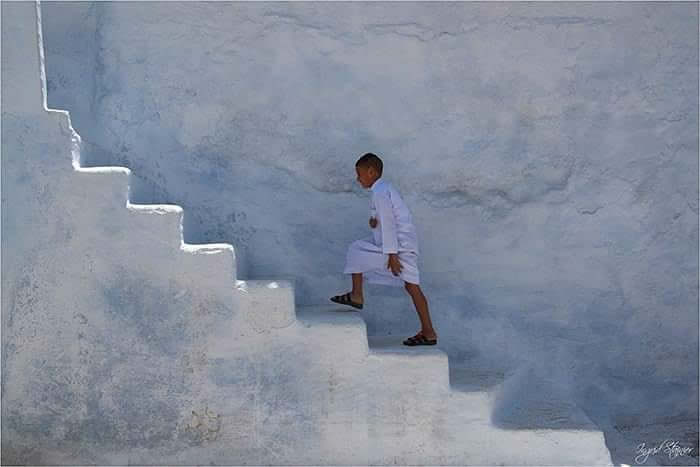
(387, 222)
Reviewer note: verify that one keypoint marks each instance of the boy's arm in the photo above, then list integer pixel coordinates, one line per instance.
(387, 221)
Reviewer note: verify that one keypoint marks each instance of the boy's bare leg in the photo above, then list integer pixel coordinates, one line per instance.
(421, 304)
(356, 294)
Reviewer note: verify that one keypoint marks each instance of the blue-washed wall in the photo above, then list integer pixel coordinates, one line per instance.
(121, 345)
(548, 152)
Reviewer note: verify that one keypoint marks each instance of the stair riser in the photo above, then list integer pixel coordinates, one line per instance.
(265, 308)
(107, 187)
(156, 227)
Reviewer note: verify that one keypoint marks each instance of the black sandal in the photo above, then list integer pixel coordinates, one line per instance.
(346, 300)
(419, 339)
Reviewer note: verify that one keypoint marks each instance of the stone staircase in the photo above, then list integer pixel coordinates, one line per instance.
(299, 385)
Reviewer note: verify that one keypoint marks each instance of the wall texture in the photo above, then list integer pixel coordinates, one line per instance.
(123, 344)
(548, 153)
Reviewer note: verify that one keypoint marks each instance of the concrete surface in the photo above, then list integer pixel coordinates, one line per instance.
(125, 343)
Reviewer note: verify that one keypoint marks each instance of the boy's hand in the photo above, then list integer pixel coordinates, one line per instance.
(394, 264)
(372, 222)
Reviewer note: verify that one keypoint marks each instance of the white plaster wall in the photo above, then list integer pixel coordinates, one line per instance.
(548, 152)
(121, 344)
(102, 313)
(550, 167)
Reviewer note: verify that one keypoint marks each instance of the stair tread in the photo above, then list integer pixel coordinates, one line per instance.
(328, 314)
(394, 344)
(160, 208)
(464, 377)
(269, 283)
(104, 169)
(207, 247)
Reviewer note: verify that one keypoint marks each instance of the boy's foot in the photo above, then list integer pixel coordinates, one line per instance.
(348, 299)
(420, 339)
(428, 336)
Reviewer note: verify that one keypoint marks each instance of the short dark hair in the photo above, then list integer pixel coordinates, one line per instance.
(370, 160)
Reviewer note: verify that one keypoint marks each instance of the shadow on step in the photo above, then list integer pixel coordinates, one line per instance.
(467, 378)
(527, 401)
(520, 398)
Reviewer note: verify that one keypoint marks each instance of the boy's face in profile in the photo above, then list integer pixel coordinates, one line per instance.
(366, 176)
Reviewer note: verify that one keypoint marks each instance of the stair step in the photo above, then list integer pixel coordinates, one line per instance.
(266, 284)
(391, 344)
(424, 366)
(162, 221)
(103, 185)
(334, 328)
(162, 209)
(213, 264)
(265, 303)
(104, 169)
(207, 248)
(344, 327)
(468, 377)
(332, 315)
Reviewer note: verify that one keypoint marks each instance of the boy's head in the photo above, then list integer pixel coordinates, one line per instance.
(369, 169)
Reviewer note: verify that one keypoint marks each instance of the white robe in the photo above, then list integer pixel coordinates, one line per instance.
(394, 233)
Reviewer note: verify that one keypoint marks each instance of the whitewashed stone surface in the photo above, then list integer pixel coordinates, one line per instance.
(548, 152)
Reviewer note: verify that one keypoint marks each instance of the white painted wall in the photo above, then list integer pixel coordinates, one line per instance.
(550, 167)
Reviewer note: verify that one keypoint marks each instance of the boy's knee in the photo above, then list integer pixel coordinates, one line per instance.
(409, 286)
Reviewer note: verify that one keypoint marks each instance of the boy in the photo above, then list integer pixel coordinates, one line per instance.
(393, 235)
